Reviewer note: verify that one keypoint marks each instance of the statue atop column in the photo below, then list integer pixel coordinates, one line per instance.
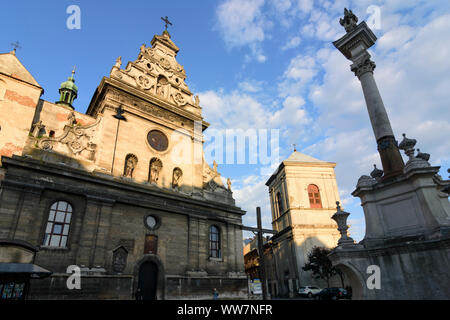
(350, 20)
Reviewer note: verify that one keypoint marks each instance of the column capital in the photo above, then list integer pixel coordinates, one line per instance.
(362, 64)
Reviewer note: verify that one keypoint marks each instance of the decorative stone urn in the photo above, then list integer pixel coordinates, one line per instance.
(341, 219)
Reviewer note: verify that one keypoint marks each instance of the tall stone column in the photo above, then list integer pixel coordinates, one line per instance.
(354, 47)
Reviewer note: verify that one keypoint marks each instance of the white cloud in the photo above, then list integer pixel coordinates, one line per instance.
(294, 42)
(242, 23)
(250, 86)
(305, 5)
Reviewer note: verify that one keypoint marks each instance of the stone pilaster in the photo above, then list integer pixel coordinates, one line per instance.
(99, 254)
(96, 223)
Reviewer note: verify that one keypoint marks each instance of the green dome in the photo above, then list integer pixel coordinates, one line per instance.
(69, 84)
(68, 91)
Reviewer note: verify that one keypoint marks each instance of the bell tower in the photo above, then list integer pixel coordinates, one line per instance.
(303, 194)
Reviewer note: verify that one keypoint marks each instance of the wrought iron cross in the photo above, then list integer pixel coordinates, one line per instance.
(16, 45)
(166, 20)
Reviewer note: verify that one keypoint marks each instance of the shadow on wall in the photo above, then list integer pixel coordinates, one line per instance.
(285, 267)
(354, 280)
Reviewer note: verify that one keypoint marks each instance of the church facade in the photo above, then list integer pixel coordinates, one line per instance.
(123, 191)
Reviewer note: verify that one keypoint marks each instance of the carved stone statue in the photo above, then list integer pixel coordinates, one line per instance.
(160, 86)
(176, 177)
(215, 166)
(118, 62)
(197, 101)
(130, 164)
(350, 20)
(71, 119)
(38, 126)
(229, 184)
(155, 169)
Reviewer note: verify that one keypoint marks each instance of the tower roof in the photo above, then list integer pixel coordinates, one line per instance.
(70, 83)
(300, 159)
(11, 66)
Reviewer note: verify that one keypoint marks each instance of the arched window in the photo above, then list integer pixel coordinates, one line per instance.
(280, 204)
(314, 196)
(214, 242)
(58, 225)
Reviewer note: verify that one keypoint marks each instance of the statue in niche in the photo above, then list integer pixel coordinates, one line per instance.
(119, 259)
(72, 119)
(176, 178)
(155, 169)
(160, 86)
(130, 163)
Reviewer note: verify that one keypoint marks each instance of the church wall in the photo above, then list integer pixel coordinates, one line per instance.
(55, 117)
(101, 222)
(18, 102)
(132, 139)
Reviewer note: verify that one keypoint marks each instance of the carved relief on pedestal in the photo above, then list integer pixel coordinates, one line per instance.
(119, 262)
(78, 139)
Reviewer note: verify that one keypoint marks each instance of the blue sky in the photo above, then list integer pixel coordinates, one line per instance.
(263, 64)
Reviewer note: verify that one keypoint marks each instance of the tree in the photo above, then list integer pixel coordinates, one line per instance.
(320, 266)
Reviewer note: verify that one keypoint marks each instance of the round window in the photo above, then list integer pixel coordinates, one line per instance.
(151, 222)
(158, 140)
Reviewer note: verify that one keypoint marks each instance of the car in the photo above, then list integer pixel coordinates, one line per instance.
(333, 294)
(308, 291)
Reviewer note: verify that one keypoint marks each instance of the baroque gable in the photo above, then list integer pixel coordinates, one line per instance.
(157, 73)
